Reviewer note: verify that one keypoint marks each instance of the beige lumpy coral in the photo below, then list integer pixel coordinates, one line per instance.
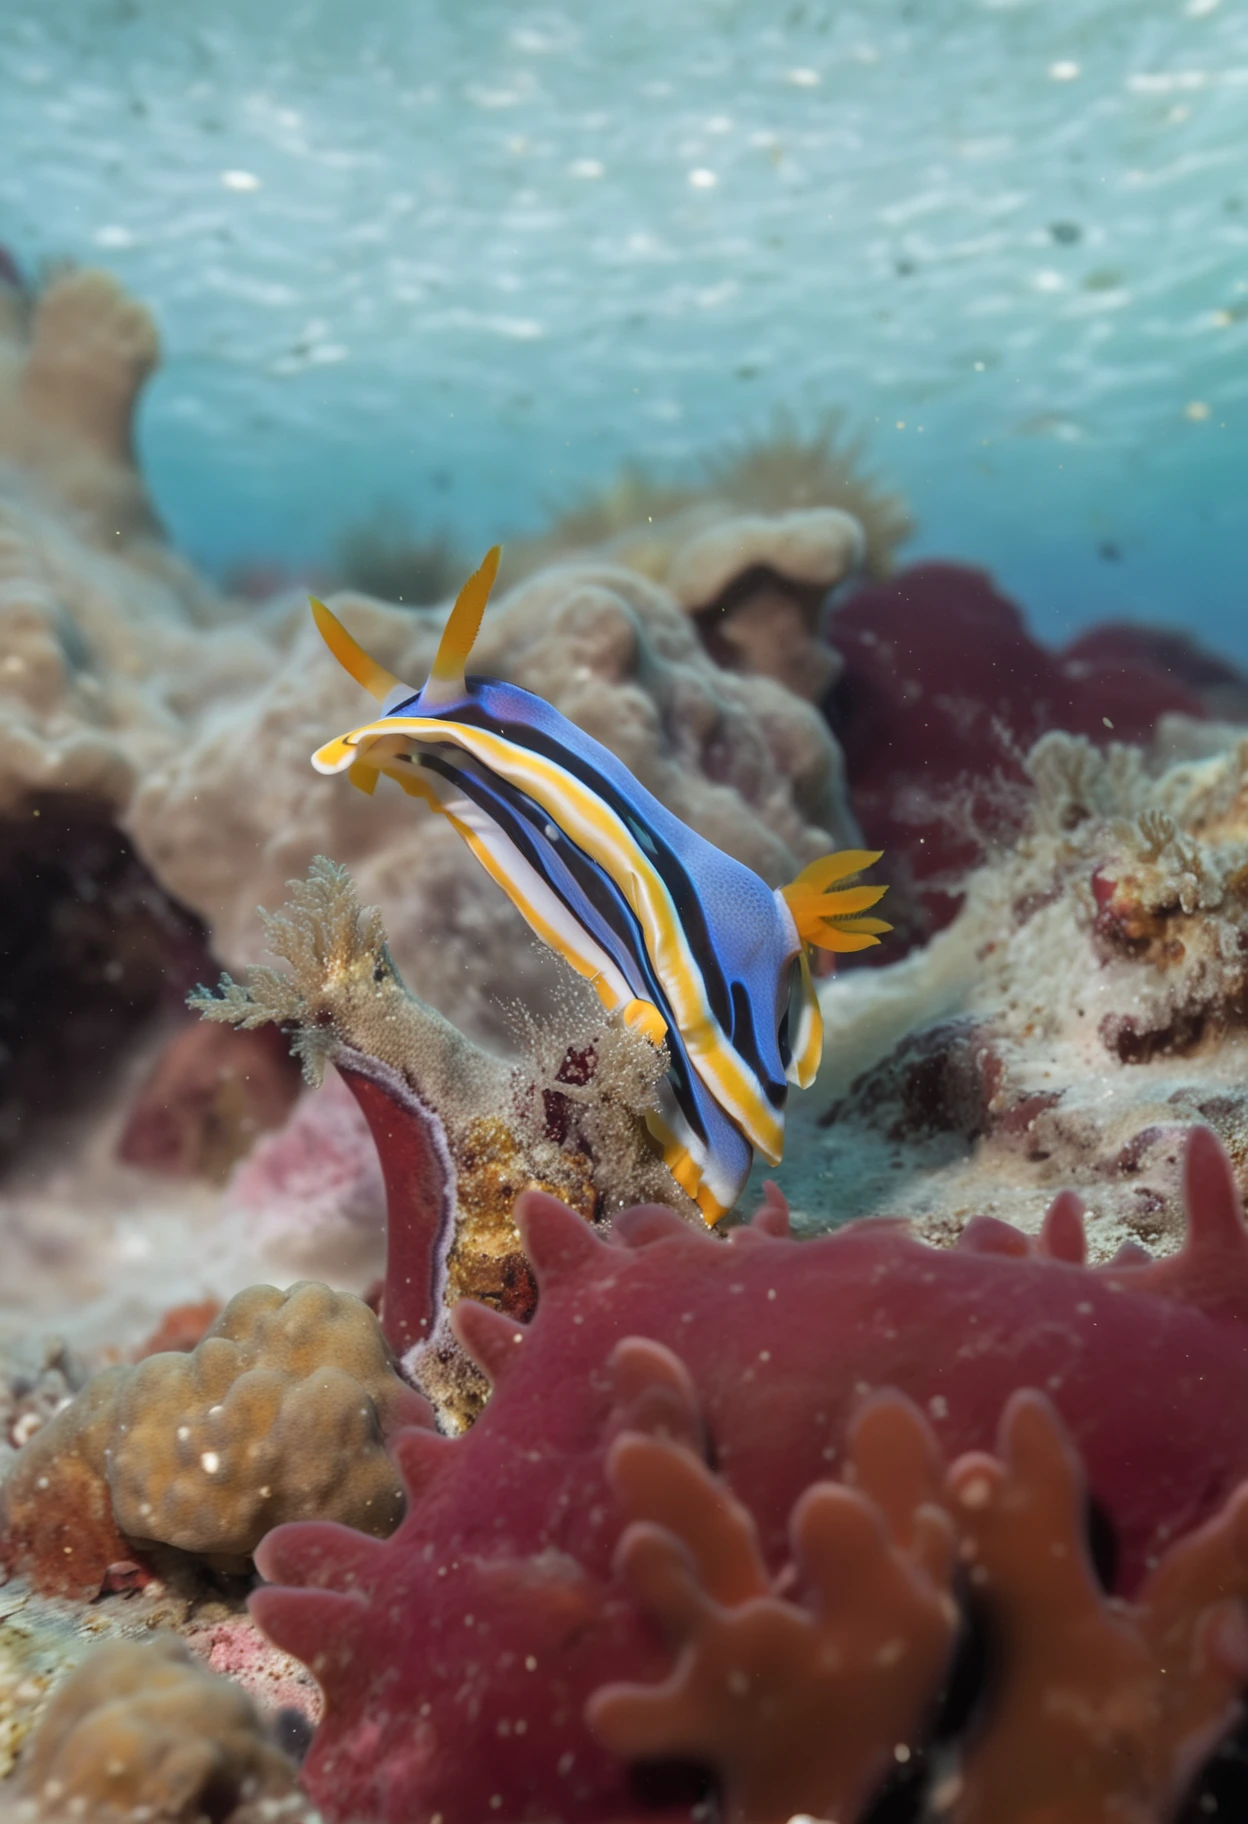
(143, 1731)
(280, 1413)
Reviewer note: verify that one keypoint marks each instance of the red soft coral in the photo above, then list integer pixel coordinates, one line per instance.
(456, 1657)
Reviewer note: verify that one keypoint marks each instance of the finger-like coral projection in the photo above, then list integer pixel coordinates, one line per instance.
(495, 1609)
(1102, 1709)
(143, 1731)
(800, 1702)
(74, 357)
(1096, 1709)
(281, 1411)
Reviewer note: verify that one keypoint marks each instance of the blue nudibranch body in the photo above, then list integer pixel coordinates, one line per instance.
(690, 947)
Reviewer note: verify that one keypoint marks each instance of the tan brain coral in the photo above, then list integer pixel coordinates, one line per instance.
(280, 1413)
(144, 1731)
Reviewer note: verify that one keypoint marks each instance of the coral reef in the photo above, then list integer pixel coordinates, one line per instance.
(504, 1558)
(162, 731)
(1083, 1011)
(942, 693)
(205, 1452)
(143, 1731)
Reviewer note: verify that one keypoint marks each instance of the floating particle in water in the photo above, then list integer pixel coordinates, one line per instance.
(1104, 278)
(1066, 233)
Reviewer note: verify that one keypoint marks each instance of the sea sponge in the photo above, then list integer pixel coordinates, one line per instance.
(281, 1409)
(943, 692)
(142, 1730)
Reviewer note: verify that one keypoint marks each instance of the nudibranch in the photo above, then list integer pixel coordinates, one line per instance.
(688, 946)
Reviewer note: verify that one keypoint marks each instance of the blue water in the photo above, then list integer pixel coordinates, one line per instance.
(469, 257)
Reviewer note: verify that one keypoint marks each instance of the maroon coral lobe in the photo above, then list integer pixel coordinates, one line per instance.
(943, 691)
(420, 1198)
(989, 1235)
(646, 1223)
(770, 1221)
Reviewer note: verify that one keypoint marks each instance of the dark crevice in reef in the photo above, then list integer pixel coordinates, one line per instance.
(90, 949)
(672, 1787)
(1220, 1789)
(976, 1671)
